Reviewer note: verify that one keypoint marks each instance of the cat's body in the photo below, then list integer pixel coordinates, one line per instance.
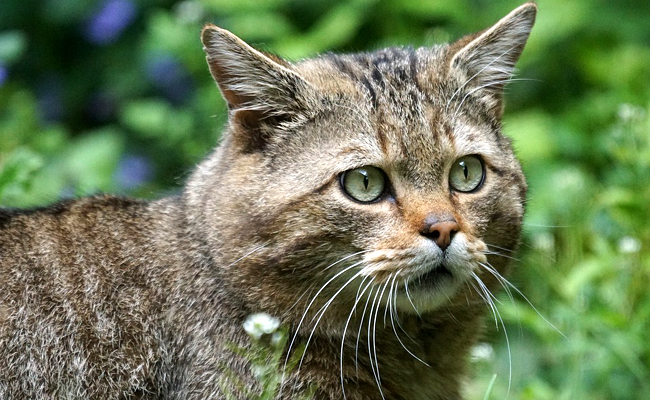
(115, 298)
(147, 320)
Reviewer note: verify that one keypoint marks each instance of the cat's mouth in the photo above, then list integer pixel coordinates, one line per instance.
(429, 290)
(433, 278)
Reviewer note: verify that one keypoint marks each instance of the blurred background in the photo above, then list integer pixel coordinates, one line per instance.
(115, 96)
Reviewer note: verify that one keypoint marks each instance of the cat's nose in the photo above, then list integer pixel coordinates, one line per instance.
(441, 232)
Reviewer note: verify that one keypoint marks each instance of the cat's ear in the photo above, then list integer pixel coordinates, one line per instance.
(488, 58)
(259, 88)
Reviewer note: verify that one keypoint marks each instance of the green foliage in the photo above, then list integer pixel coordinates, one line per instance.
(86, 106)
(585, 265)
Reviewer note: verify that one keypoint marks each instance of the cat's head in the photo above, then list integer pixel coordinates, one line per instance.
(355, 176)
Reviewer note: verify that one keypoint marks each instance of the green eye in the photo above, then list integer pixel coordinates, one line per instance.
(365, 184)
(467, 174)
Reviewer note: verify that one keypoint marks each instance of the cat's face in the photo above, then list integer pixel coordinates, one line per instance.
(380, 176)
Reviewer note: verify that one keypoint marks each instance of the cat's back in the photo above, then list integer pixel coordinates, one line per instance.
(77, 298)
(72, 239)
(61, 223)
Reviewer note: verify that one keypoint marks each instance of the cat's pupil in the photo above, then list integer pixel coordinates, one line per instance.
(365, 179)
(465, 170)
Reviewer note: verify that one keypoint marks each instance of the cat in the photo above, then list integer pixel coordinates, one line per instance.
(366, 200)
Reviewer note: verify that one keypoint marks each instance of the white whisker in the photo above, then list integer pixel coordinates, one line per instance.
(399, 325)
(496, 253)
(374, 335)
(490, 298)
(346, 258)
(393, 320)
(498, 247)
(295, 303)
(481, 291)
(256, 249)
(513, 287)
(372, 361)
(540, 252)
(345, 328)
(321, 312)
(408, 296)
(304, 315)
(502, 281)
(363, 314)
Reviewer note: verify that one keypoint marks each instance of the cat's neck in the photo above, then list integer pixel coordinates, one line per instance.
(179, 234)
(422, 358)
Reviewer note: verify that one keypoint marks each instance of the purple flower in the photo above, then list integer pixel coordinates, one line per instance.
(4, 74)
(169, 76)
(133, 171)
(106, 26)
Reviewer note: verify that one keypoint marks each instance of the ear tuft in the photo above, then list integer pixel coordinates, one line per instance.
(488, 58)
(249, 79)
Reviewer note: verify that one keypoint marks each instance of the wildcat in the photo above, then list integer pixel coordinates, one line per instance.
(362, 199)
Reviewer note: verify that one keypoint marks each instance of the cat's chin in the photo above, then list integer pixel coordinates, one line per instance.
(437, 286)
(429, 292)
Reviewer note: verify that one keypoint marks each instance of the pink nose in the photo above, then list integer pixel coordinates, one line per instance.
(441, 232)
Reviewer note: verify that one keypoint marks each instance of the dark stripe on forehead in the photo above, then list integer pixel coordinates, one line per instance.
(381, 135)
(345, 67)
(413, 66)
(342, 66)
(377, 77)
(449, 132)
(400, 57)
(371, 91)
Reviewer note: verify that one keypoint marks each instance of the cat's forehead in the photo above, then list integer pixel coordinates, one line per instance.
(401, 97)
(391, 74)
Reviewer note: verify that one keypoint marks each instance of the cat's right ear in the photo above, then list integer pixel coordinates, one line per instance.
(260, 89)
(487, 60)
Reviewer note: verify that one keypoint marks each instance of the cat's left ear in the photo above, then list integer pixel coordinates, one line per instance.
(260, 89)
(487, 59)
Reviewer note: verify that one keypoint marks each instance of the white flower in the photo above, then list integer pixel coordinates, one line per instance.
(482, 352)
(261, 324)
(629, 244)
(629, 112)
(544, 241)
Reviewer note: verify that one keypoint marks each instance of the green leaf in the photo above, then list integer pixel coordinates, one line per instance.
(532, 134)
(91, 161)
(16, 171)
(12, 46)
(157, 119)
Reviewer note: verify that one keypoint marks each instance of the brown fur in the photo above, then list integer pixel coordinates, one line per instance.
(106, 297)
